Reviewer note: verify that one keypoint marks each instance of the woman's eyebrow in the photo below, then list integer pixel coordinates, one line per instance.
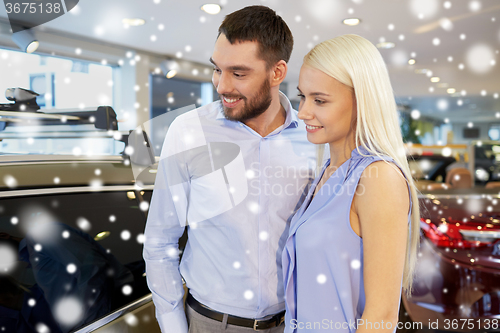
(315, 93)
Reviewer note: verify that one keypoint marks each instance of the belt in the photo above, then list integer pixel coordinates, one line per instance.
(256, 324)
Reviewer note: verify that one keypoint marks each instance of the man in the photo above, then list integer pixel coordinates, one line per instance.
(234, 171)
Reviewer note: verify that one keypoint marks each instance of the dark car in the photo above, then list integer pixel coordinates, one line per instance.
(487, 161)
(457, 282)
(71, 227)
(429, 169)
(71, 234)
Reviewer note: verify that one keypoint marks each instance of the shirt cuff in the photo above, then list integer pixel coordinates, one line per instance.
(173, 322)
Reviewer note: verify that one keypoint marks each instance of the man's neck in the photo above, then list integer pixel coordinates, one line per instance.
(271, 119)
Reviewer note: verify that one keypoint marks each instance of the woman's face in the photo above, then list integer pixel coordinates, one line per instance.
(327, 107)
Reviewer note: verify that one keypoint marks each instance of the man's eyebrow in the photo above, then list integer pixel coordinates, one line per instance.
(239, 68)
(235, 67)
(314, 93)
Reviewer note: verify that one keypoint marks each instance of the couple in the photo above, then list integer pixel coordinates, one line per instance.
(261, 236)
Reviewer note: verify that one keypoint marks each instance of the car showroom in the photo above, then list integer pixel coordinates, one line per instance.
(89, 90)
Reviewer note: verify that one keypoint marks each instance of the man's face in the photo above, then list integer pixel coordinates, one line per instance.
(241, 79)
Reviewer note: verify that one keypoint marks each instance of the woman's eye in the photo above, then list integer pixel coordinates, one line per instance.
(301, 96)
(318, 101)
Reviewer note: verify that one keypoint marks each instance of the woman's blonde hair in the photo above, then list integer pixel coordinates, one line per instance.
(355, 62)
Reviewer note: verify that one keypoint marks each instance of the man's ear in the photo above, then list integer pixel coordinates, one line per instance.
(279, 73)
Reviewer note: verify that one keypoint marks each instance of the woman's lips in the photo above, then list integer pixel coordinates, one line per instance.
(312, 129)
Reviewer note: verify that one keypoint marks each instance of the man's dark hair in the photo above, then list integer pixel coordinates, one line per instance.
(260, 24)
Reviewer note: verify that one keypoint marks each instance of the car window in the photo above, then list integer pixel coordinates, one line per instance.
(423, 169)
(75, 258)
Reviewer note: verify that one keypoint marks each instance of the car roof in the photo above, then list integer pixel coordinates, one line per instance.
(48, 171)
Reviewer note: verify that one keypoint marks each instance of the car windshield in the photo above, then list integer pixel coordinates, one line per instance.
(424, 168)
(488, 152)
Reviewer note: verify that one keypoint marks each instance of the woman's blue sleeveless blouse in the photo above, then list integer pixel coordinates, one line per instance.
(323, 256)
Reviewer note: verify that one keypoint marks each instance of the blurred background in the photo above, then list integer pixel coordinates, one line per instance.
(149, 57)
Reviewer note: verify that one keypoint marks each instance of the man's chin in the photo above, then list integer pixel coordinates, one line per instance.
(232, 113)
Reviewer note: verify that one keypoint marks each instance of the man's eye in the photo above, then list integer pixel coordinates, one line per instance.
(217, 70)
(238, 75)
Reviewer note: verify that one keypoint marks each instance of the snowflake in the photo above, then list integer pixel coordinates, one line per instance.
(83, 224)
(8, 257)
(479, 57)
(144, 206)
(248, 294)
(68, 311)
(321, 278)
(130, 319)
(10, 181)
(126, 290)
(41, 327)
(71, 268)
(125, 235)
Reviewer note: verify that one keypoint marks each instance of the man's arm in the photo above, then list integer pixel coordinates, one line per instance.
(164, 227)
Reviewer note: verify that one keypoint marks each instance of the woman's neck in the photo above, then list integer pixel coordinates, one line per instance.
(340, 152)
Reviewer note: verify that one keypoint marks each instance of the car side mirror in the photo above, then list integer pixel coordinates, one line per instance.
(105, 118)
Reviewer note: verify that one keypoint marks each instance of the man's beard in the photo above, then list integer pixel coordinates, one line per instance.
(251, 108)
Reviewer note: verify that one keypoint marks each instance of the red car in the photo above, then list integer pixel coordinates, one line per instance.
(457, 283)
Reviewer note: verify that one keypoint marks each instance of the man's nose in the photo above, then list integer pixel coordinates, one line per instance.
(224, 85)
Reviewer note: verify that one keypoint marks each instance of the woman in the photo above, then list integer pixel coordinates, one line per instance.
(352, 245)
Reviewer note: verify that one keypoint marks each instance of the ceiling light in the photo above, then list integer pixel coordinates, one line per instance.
(133, 21)
(211, 8)
(170, 68)
(442, 85)
(450, 90)
(386, 45)
(26, 40)
(435, 79)
(171, 73)
(351, 21)
(412, 61)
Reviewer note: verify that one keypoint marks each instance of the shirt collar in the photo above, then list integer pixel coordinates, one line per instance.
(291, 115)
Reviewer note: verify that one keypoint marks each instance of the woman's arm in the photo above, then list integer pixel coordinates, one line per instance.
(382, 204)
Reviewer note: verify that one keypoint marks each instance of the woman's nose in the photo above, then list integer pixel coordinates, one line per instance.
(304, 113)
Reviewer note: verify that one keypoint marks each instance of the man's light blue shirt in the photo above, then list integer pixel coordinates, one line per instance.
(236, 191)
